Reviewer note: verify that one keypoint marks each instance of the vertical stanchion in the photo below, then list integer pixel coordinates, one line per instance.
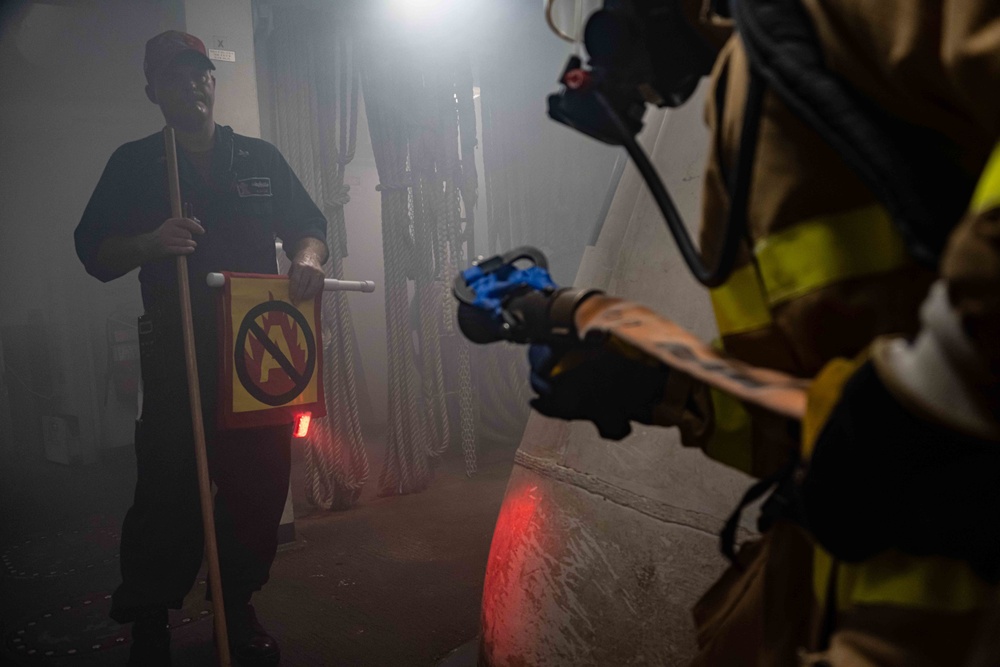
(194, 392)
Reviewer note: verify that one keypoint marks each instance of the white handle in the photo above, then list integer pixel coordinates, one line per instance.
(329, 285)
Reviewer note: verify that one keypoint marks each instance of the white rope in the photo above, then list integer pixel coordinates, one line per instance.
(386, 87)
(314, 71)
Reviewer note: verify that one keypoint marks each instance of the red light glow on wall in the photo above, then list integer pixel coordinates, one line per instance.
(516, 557)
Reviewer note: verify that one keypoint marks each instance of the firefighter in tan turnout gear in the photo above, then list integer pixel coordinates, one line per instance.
(867, 260)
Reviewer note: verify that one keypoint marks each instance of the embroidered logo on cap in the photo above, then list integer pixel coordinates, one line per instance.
(258, 186)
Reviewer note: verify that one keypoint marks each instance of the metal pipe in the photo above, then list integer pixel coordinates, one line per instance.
(329, 285)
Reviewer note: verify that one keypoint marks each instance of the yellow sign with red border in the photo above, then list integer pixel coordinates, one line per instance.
(272, 353)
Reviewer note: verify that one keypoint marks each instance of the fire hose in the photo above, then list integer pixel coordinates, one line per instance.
(511, 297)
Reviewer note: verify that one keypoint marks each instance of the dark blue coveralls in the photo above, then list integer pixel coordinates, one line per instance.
(250, 198)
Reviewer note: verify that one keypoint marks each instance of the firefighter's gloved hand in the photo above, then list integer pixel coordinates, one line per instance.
(880, 476)
(609, 384)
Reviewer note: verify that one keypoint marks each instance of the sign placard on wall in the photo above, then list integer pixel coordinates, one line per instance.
(222, 54)
(217, 49)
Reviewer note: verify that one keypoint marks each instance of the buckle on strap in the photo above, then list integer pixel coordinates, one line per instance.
(782, 504)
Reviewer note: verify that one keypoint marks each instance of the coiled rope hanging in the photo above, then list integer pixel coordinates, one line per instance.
(316, 92)
(418, 105)
(387, 92)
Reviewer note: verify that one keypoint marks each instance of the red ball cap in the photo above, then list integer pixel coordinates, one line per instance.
(166, 47)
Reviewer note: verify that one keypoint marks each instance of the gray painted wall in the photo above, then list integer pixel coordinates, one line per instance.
(71, 91)
(228, 26)
(603, 547)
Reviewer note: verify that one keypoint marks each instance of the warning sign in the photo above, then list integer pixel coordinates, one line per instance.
(271, 353)
(275, 354)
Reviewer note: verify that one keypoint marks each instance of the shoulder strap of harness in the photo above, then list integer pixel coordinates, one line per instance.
(884, 152)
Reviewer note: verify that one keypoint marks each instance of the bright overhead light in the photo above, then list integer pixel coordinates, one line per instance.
(420, 11)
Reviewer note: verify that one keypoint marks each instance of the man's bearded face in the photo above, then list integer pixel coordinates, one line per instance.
(186, 94)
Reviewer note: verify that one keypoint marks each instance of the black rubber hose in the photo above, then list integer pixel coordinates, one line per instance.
(739, 189)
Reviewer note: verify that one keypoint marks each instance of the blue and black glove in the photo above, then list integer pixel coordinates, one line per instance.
(609, 384)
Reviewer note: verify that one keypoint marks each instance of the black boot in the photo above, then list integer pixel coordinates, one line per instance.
(150, 640)
(249, 642)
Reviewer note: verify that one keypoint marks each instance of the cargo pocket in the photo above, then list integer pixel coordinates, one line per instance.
(146, 352)
(760, 611)
(162, 367)
(255, 212)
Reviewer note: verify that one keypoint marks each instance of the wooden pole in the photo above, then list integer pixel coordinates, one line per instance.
(194, 393)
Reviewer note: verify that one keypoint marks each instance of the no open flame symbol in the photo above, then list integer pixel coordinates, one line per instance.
(269, 358)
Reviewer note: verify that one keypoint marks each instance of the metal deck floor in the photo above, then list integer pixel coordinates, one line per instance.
(394, 582)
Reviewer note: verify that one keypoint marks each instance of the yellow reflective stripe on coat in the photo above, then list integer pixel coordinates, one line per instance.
(731, 438)
(892, 578)
(827, 250)
(987, 193)
(740, 304)
(824, 394)
(804, 258)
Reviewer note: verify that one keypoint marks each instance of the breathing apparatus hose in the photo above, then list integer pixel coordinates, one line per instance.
(738, 186)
